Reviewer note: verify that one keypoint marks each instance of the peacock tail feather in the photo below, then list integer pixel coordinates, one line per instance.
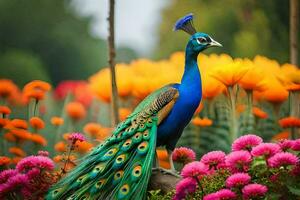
(120, 168)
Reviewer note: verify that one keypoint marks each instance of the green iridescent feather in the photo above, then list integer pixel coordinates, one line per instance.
(120, 168)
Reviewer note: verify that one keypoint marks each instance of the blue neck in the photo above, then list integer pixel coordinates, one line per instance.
(191, 78)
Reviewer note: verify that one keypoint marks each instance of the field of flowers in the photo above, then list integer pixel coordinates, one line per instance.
(46, 130)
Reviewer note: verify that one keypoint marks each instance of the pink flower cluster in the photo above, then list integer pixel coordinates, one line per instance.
(247, 151)
(21, 181)
(76, 137)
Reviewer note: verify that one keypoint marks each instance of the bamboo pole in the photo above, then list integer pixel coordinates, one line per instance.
(111, 61)
(294, 23)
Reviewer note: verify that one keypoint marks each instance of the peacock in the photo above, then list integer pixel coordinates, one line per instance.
(120, 167)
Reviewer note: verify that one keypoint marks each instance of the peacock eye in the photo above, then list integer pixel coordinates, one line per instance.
(201, 40)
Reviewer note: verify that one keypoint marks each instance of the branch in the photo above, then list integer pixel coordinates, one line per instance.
(294, 23)
(111, 61)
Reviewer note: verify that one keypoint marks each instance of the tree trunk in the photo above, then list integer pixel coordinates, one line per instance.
(111, 61)
(294, 23)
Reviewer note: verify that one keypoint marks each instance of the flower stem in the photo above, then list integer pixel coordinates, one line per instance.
(200, 186)
(63, 171)
(233, 127)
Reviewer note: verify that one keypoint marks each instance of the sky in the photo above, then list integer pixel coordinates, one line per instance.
(136, 21)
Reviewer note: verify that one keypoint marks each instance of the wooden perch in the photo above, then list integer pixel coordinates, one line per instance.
(163, 182)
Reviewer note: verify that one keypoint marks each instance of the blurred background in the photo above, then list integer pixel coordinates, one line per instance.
(55, 40)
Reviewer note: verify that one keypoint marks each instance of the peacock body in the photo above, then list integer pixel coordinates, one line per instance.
(120, 168)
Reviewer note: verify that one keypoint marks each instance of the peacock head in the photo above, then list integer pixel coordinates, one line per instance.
(198, 41)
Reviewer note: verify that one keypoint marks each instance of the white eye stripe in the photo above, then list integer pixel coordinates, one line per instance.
(201, 40)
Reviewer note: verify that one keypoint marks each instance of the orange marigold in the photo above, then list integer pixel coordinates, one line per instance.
(5, 110)
(289, 122)
(83, 147)
(4, 160)
(7, 88)
(10, 137)
(60, 147)
(58, 158)
(3, 122)
(17, 151)
(37, 123)
(16, 159)
(163, 158)
(92, 128)
(259, 113)
(38, 139)
(21, 134)
(36, 89)
(17, 123)
(281, 136)
(75, 110)
(57, 121)
(197, 121)
(123, 113)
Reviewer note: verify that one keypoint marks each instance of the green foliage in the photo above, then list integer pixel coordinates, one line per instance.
(22, 66)
(54, 33)
(245, 28)
(157, 195)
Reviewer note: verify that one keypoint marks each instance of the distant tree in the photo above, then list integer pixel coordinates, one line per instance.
(53, 32)
(245, 28)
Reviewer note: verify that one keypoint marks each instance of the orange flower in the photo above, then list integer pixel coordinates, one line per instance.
(17, 151)
(240, 108)
(163, 158)
(92, 128)
(281, 136)
(8, 89)
(17, 123)
(60, 147)
(4, 160)
(229, 74)
(36, 89)
(66, 136)
(57, 121)
(38, 139)
(58, 158)
(211, 87)
(275, 92)
(37, 123)
(5, 110)
(75, 110)
(259, 113)
(199, 108)
(20, 134)
(10, 137)
(123, 113)
(289, 122)
(16, 159)
(253, 79)
(3, 122)
(83, 147)
(104, 133)
(197, 121)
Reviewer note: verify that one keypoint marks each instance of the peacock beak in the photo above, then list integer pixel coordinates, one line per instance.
(214, 43)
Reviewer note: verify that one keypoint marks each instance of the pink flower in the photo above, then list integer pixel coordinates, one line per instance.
(214, 158)
(194, 169)
(225, 194)
(246, 142)
(183, 155)
(33, 173)
(266, 149)
(43, 153)
(35, 161)
(184, 187)
(13, 183)
(238, 161)
(296, 145)
(212, 196)
(237, 180)
(76, 137)
(282, 159)
(285, 144)
(254, 190)
(6, 174)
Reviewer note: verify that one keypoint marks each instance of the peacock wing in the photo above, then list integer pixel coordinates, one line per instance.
(120, 167)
